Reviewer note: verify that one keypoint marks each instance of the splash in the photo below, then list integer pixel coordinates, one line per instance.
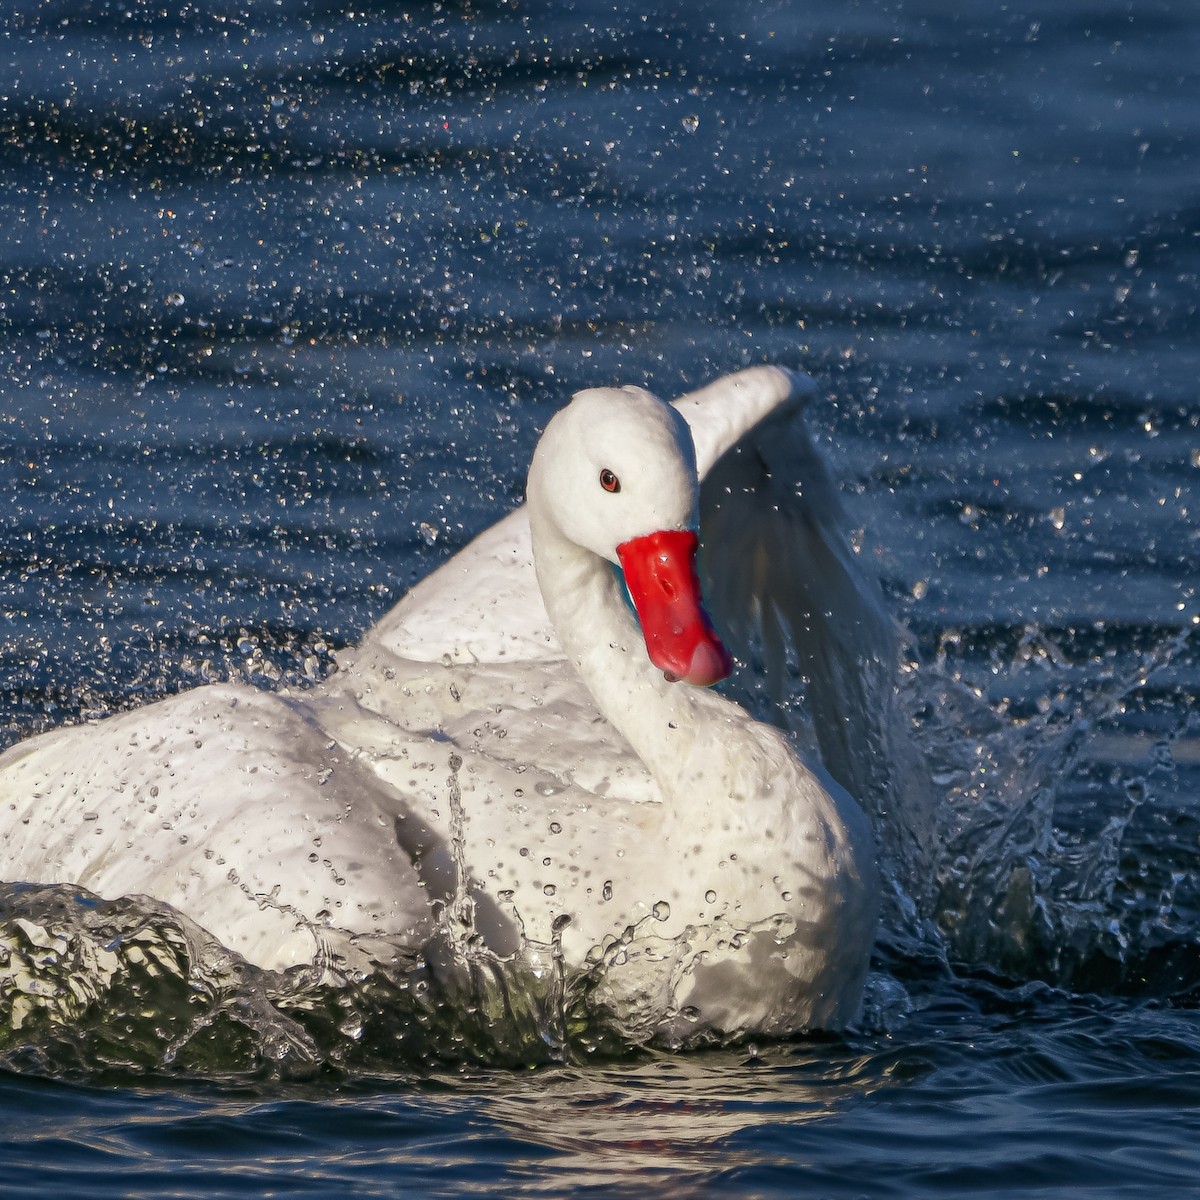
(1049, 866)
(89, 986)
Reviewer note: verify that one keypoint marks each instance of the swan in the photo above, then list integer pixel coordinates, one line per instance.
(527, 750)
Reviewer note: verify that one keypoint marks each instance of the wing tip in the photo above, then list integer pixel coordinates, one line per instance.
(795, 388)
(725, 410)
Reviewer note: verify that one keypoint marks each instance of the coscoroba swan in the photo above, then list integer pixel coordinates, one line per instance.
(526, 757)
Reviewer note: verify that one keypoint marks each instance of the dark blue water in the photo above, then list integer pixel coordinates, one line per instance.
(286, 298)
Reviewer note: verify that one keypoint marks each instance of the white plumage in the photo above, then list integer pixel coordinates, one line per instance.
(500, 754)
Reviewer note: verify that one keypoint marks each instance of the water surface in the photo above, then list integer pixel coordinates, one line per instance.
(287, 298)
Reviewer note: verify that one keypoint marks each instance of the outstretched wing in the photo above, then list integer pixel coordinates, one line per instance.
(786, 588)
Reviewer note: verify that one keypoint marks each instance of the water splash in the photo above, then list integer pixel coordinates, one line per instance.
(1030, 882)
(91, 986)
(131, 985)
(88, 985)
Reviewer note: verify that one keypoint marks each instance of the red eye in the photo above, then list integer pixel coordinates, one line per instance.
(609, 482)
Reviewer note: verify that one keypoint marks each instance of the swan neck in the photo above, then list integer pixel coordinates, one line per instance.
(584, 597)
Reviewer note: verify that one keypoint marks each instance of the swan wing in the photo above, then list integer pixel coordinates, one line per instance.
(229, 804)
(784, 585)
(483, 606)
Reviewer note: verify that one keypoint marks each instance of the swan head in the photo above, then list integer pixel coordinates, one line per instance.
(615, 473)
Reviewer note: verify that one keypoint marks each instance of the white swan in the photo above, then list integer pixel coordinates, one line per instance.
(510, 756)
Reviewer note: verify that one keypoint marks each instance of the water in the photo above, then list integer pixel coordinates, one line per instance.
(286, 300)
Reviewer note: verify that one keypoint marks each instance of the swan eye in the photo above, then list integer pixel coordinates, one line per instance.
(609, 482)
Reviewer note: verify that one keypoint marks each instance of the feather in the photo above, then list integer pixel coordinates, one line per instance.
(788, 593)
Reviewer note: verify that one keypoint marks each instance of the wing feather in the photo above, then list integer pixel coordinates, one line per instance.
(787, 590)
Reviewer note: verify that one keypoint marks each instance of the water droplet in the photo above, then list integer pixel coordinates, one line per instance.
(549, 890)
(661, 910)
(555, 827)
(710, 896)
(606, 890)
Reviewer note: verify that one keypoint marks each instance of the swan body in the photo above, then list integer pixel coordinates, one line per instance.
(514, 754)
